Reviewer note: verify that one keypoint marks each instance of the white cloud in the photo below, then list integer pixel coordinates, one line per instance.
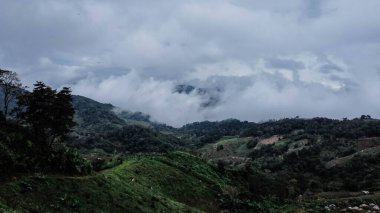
(144, 94)
(226, 68)
(316, 57)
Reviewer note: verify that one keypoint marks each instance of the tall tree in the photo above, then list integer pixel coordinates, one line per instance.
(48, 113)
(11, 86)
(63, 113)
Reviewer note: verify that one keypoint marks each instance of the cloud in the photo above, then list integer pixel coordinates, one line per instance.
(144, 94)
(263, 92)
(273, 59)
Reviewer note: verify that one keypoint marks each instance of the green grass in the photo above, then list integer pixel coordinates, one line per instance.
(174, 182)
(227, 137)
(281, 143)
(233, 146)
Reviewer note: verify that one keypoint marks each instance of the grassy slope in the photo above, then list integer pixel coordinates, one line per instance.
(232, 146)
(144, 183)
(234, 153)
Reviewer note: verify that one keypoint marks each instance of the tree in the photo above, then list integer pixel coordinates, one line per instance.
(63, 113)
(11, 87)
(48, 113)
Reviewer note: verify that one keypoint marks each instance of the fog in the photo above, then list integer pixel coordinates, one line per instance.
(261, 60)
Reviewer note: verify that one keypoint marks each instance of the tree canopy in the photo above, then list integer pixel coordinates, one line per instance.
(11, 87)
(48, 112)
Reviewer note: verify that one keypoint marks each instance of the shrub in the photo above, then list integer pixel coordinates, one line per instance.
(69, 161)
(252, 143)
(7, 162)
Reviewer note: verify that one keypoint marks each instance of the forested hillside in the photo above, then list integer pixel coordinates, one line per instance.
(67, 153)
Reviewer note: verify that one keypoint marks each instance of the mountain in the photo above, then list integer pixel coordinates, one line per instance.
(126, 162)
(105, 129)
(133, 116)
(315, 155)
(99, 128)
(210, 96)
(94, 117)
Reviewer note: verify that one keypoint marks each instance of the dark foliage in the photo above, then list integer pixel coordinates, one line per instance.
(209, 132)
(49, 115)
(301, 155)
(130, 139)
(20, 154)
(33, 143)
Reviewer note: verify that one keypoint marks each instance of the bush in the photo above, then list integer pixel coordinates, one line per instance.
(68, 161)
(252, 143)
(7, 162)
(18, 155)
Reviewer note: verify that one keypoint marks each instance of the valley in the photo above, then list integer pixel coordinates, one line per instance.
(138, 165)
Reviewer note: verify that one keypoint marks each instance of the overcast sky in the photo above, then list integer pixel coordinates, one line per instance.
(261, 59)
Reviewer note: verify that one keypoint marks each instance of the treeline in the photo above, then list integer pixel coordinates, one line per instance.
(33, 127)
(209, 132)
(364, 126)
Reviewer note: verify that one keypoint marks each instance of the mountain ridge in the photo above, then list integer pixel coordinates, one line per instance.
(285, 159)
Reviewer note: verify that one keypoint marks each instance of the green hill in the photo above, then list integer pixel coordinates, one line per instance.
(99, 127)
(94, 117)
(175, 182)
(302, 156)
(282, 165)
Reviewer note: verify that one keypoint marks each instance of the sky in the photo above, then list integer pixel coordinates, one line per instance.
(259, 59)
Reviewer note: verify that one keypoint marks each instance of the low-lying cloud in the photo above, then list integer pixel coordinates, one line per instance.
(259, 92)
(267, 59)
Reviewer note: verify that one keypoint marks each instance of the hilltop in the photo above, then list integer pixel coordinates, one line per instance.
(175, 182)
